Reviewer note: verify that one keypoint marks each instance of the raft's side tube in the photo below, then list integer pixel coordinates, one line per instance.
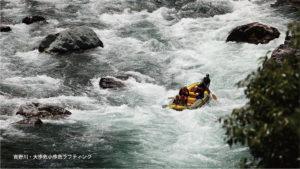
(191, 100)
(200, 102)
(190, 87)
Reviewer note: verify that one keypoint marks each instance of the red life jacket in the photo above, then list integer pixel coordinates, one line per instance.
(183, 100)
(176, 100)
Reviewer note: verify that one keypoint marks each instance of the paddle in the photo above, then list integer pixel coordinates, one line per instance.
(214, 96)
(164, 106)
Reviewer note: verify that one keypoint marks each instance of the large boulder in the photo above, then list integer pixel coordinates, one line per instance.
(283, 50)
(32, 19)
(72, 40)
(30, 121)
(108, 82)
(5, 29)
(253, 33)
(42, 111)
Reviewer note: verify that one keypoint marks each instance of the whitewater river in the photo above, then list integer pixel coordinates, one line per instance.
(162, 45)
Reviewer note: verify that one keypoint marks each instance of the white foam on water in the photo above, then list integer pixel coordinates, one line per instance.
(33, 57)
(124, 19)
(71, 102)
(39, 84)
(140, 77)
(8, 129)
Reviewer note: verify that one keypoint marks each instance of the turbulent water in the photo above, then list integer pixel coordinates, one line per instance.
(162, 45)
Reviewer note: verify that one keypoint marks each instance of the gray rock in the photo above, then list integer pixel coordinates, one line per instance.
(72, 40)
(253, 33)
(31, 121)
(42, 111)
(280, 52)
(110, 83)
(283, 50)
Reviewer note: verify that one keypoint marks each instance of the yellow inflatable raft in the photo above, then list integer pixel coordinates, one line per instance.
(192, 102)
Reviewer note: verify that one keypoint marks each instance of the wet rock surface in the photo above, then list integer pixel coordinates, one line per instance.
(253, 33)
(5, 29)
(42, 111)
(108, 82)
(283, 50)
(32, 19)
(72, 40)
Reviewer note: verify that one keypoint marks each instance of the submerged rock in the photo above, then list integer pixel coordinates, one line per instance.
(202, 8)
(123, 77)
(42, 111)
(32, 19)
(283, 50)
(72, 40)
(5, 29)
(111, 83)
(286, 2)
(287, 6)
(30, 121)
(5, 21)
(253, 33)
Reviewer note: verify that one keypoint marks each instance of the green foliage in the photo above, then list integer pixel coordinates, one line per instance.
(270, 122)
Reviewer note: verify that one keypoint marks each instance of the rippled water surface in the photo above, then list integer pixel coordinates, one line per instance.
(162, 45)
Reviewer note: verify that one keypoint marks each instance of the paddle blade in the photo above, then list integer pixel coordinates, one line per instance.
(214, 97)
(164, 106)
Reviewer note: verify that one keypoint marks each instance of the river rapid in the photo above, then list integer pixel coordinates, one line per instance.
(162, 45)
